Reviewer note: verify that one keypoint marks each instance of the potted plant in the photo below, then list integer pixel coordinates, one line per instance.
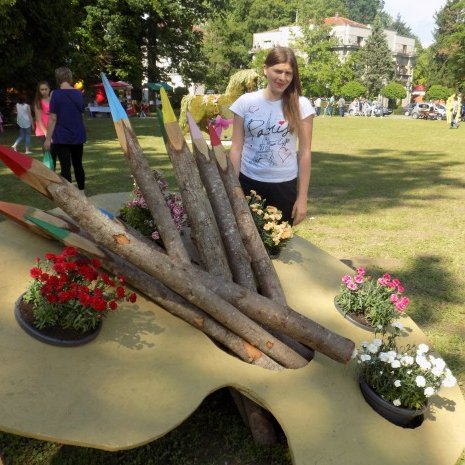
(372, 303)
(137, 214)
(398, 382)
(274, 233)
(68, 298)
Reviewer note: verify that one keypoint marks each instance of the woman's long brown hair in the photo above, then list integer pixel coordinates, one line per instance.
(291, 106)
(38, 96)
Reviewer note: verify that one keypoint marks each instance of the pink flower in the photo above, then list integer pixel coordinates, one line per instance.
(346, 278)
(400, 289)
(387, 276)
(352, 286)
(394, 298)
(396, 282)
(361, 271)
(359, 279)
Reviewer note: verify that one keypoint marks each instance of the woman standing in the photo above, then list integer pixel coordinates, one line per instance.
(66, 127)
(41, 109)
(25, 122)
(267, 125)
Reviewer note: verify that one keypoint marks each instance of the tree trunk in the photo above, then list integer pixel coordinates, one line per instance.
(201, 219)
(238, 258)
(153, 195)
(265, 273)
(115, 238)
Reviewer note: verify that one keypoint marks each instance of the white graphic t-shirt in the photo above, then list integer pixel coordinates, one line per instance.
(269, 153)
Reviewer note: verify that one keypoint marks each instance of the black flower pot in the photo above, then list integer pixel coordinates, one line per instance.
(54, 335)
(400, 416)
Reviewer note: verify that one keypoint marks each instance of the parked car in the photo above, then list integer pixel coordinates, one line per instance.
(408, 109)
(429, 110)
(380, 110)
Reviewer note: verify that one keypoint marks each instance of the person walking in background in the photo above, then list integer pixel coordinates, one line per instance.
(341, 104)
(25, 122)
(66, 127)
(318, 106)
(455, 109)
(267, 125)
(41, 109)
(329, 106)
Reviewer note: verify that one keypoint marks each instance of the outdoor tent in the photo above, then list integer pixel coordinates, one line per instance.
(158, 85)
(115, 85)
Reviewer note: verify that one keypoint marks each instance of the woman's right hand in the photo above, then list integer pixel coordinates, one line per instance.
(47, 144)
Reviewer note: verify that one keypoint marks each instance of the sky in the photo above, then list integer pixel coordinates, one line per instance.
(418, 14)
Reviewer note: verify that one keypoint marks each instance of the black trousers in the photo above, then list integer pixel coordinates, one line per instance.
(281, 195)
(70, 154)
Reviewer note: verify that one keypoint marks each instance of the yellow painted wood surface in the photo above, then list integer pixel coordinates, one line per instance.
(148, 371)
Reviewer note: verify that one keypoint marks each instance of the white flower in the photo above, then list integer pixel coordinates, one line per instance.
(407, 360)
(396, 402)
(421, 381)
(365, 357)
(384, 357)
(377, 342)
(397, 383)
(449, 380)
(423, 362)
(372, 348)
(422, 349)
(429, 391)
(354, 353)
(395, 364)
(398, 325)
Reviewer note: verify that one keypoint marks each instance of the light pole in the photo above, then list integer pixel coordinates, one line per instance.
(384, 83)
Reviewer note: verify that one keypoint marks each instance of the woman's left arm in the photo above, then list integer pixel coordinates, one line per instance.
(299, 211)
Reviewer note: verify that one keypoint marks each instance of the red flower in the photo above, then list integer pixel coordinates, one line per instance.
(50, 256)
(113, 305)
(36, 272)
(132, 297)
(120, 292)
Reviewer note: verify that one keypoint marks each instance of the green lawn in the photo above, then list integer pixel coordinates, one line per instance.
(385, 193)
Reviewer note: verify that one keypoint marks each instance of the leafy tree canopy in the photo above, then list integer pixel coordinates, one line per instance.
(376, 63)
(394, 91)
(363, 11)
(353, 89)
(438, 92)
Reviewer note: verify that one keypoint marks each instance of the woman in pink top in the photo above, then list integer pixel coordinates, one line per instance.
(41, 110)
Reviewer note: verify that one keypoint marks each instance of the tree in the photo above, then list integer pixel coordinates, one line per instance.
(321, 67)
(363, 11)
(438, 92)
(31, 42)
(228, 35)
(394, 91)
(449, 48)
(353, 89)
(376, 63)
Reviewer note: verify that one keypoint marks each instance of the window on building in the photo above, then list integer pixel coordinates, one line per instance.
(404, 49)
(359, 41)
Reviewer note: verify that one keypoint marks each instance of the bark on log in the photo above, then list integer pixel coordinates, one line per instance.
(265, 273)
(153, 196)
(76, 205)
(201, 219)
(238, 257)
(115, 238)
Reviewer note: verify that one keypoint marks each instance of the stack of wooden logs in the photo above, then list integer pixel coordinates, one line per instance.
(233, 293)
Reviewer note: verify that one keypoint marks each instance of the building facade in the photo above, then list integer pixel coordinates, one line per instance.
(350, 36)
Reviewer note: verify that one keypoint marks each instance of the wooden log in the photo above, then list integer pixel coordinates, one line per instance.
(265, 273)
(115, 237)
(264, 310)
(205, 232)
(144, 177)
(238, 258)
(55, 227)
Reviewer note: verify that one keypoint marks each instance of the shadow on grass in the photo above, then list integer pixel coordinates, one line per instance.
(377, 179)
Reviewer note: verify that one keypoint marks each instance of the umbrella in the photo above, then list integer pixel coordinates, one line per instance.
(158, 85)
(115, 84)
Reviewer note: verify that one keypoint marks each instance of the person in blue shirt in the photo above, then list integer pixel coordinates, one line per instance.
(66, 133)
